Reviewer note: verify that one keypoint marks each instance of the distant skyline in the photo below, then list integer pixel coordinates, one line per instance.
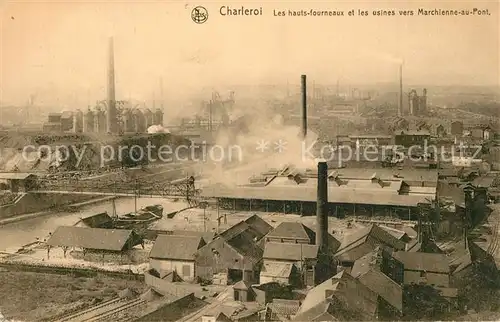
(57, 50)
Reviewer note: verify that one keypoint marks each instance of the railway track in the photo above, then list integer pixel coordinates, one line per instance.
(74, 316)
(108, 315)
(103, 311)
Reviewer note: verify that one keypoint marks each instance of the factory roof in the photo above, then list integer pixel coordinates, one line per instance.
(93, 238)
(290, 252)
(176, 247)
(308, 194)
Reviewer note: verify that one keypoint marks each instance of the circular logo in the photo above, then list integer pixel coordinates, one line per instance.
(199, 14)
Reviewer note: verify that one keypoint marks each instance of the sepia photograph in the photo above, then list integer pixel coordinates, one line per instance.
(214, 161)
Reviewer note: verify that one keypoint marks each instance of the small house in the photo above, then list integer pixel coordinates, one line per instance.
(176, 253)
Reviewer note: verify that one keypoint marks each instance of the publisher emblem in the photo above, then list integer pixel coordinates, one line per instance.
(199, 14)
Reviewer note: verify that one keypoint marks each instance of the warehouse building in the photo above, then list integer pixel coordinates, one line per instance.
(359, 192)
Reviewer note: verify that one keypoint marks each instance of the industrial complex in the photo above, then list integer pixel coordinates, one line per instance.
(406, 235)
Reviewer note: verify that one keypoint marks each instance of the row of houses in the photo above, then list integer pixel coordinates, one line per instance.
(379, 270)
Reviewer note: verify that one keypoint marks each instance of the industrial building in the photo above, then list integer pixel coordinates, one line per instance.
(361, 192)
(417, 104)
(109, 116)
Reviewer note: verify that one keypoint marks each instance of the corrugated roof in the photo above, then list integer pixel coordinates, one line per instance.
(284, 308)
(15, 175)
(437, 263)
(93, 238)
(290, 252)
(176, 247)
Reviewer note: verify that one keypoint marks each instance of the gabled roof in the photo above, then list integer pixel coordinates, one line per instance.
(93, 238)
(259, 224)
(242, 285)
(245, 245)
(367, 272)
(293, 230)
(361, 242)
(176, 247)
(335, 300)
(427, 262)
(398, 234)
(290, 252)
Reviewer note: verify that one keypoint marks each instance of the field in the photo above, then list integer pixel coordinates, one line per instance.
(29, 296)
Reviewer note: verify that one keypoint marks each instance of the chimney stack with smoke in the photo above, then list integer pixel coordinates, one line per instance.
(400, 103)
(111, 119)
(303, 85)
(321, 207)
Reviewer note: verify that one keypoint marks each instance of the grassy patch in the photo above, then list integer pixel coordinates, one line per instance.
(30, 296)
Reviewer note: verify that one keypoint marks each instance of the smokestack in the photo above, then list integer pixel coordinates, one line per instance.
(303, 84)
(400, 104)
(111, 114)
(321, 207)
(161, 93)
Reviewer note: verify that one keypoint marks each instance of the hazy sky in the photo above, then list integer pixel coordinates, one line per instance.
(58, 49)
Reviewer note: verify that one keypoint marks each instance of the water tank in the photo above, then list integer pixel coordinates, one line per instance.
(139, 121)
(158, 119)
(78, 121)
(128, 121)
(88, 122)
(100, 121)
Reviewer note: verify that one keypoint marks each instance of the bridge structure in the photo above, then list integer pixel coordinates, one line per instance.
(184, 187)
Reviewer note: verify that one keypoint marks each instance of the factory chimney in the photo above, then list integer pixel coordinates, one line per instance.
(303, 85)
(400, 103)
(321, 207)
(111, 118)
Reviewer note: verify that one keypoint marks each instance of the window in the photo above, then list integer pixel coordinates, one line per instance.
(423, 274)
(186, 270)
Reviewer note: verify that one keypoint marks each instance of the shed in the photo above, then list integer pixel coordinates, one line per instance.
(113, 240)
(243, 292)
(19, 182)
